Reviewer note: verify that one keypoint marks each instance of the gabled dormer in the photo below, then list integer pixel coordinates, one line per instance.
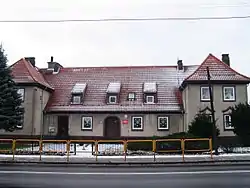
(113, 92)
(150, 93)
(77, 93)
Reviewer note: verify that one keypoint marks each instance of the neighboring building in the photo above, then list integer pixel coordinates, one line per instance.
(116, 102)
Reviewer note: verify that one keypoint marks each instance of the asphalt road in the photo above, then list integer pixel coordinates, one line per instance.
(16, 176)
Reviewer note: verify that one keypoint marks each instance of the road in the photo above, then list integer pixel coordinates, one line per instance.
(16, 176)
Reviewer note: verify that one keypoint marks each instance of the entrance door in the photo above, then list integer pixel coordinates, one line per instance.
(63, 126)
(112, 127)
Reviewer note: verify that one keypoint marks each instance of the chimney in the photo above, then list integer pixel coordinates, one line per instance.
(54, 65)
(31, 60)
(180, 65)
(226, 59)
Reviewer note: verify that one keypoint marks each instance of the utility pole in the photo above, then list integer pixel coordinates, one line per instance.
(213, 111)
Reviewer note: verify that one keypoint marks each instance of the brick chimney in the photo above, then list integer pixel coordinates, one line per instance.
(226, 59)
(32, 60)
(52, 65)
(180, 65)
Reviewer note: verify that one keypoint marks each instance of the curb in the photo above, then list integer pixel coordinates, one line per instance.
(129, 164)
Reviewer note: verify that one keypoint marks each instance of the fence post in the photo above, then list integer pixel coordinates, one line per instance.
(211, 147)
(96, 150)
(68, 149)
(183, 149)
(125, 149)
(40, 149)
(154, 149)
(13, 149)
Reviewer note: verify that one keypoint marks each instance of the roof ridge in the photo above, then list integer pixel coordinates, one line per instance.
(26, 65)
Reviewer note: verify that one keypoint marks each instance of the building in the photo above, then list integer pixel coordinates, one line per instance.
(118, 102)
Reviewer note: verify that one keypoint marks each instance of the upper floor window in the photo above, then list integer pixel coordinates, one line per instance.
(21, 92)
(227, 122)
(229, 93)
(112, 99)
(205, 96)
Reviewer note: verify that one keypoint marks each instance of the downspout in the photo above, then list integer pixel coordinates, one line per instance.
(33, 110)
(41, 122)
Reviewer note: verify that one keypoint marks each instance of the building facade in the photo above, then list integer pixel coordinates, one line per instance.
(121, 102)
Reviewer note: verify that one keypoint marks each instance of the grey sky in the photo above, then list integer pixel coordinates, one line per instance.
(126, 43)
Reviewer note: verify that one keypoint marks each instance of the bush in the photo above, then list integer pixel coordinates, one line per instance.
(202, 127)
(240, 121)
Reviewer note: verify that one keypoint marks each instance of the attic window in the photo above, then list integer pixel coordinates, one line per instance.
(131, 96)
(77, 93)
(112, 99)
(114, 87)
(150, 87)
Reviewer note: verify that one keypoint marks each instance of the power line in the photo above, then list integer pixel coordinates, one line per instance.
(129, 19)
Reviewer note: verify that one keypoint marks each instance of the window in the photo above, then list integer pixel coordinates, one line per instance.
(87, 123)
(131, 96)
(150, 99)
(205, 96)
(76, 100)
(112, 99)
(163, 123)
(137, 123)
(227, 122)
(210, 117)
(229, 93)
(21, 92)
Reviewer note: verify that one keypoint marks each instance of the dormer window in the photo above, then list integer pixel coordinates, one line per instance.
(112, 99)
(78, 92)
(113, 91)
(150, 92)
(150, 99)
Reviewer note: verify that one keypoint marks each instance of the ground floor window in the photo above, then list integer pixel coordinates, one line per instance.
(227, 122)
(163, 123)
(137, 123)
(87, 123)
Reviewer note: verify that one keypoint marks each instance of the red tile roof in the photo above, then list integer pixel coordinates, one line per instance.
(132, 79)
(24, 72)
(219, 71)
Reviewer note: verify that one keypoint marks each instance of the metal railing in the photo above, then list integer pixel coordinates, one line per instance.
(125, 148)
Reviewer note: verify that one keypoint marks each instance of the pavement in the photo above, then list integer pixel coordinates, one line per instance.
(129, 159)
(16, 176)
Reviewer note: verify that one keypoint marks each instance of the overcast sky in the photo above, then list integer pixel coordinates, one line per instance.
(126, 43)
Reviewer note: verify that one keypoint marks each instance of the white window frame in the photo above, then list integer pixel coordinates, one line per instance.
(21, 91)
(201, 91)
(76, 96)
(87, 128)
(161, 128)
(112, 96)
(228, 87)
(131, 96)
(225, 122)
(150, 96)
(133, 125)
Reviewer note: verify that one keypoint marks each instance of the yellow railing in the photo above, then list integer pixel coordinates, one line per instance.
(13, 146)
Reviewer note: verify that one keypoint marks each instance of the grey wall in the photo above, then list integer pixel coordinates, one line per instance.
(192, 103)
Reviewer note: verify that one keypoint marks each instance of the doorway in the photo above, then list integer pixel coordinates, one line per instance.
(112, 127)
(63, 126)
